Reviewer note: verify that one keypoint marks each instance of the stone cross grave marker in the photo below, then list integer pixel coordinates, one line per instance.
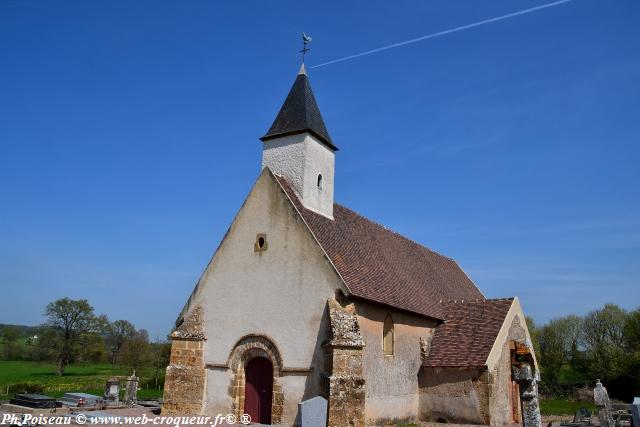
(131, 390)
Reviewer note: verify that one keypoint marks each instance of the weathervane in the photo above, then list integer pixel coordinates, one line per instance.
(305, 41)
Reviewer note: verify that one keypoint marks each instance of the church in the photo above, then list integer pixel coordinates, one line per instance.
(305, 297)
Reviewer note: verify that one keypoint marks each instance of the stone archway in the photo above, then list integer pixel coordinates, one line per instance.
(247, 348)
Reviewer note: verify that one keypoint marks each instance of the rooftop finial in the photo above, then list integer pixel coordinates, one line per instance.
(305, 41)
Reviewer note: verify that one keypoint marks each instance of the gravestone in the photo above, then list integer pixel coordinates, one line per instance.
(313, 412)
(33, 400)
(635, 412)
(131, 391)
(601, 399)
(112, 391)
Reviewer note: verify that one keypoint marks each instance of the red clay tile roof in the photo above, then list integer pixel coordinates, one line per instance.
(380, 265)
(466, 338)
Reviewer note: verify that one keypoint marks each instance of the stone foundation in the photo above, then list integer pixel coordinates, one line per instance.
(185, 378)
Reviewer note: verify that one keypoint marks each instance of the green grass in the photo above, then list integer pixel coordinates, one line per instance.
(563, 407)
(88, 378)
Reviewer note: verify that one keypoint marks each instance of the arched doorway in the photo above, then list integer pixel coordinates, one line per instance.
(258, 389)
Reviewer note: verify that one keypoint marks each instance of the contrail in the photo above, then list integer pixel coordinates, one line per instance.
(442, 33)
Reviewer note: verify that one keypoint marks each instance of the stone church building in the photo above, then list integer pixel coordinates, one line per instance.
(305, 297)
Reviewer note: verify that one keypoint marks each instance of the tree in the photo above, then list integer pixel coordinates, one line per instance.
(92, 348)
(70, 320)
(118, 333)
(552, 354)
(534, 332)
(135, 351)
(559, 344)
(631, 331)
(603, 338)
(44, 348)
(161, 355)
(10, 334)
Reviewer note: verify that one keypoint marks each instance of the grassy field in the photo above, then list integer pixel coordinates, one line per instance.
(16, 376)
(563, 406)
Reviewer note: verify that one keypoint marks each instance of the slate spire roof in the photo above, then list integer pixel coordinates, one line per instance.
(300, 113)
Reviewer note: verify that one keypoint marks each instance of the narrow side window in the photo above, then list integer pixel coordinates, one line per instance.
(387, 336)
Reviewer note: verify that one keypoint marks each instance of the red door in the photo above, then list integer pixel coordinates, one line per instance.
(258, 390)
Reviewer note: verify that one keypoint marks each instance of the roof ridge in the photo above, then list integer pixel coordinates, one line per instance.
(384, 227)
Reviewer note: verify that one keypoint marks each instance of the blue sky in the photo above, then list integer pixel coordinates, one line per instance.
(129, 139)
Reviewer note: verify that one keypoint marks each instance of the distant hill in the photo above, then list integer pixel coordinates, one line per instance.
(25, 330)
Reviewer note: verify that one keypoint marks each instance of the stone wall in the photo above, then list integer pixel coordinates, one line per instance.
(185, 378)
(346, 385)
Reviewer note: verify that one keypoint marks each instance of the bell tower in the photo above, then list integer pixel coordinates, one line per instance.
(297, 146)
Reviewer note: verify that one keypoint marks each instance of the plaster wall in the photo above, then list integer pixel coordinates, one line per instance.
(280, 293)
(286, 156)
(300, 159)
(503, 336)
(391, 381)
(455, 395)
(501, 398)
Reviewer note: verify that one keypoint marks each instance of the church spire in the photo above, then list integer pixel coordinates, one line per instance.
(299, 148)
(300, 113)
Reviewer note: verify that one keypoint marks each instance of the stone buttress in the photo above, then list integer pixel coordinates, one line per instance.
(185, 377)
(346, 391)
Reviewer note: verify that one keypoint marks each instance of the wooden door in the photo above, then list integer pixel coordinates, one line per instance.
(258, 390)
(515, 401)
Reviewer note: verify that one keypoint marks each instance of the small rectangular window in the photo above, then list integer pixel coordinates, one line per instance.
(387, 336)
